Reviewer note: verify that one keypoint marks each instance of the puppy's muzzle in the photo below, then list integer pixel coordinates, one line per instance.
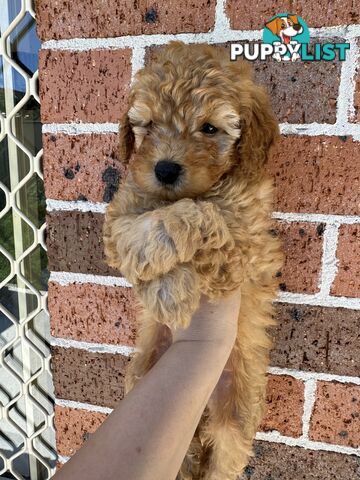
(167, 172)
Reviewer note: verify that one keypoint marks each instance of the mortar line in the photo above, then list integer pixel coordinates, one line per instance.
(319, 301)
(82, 406)
(132, 41)
(75, 205)
(127, 351)
(217, 35)
(329, 264)
(100, 207)
(67, 278)
(92, 347)
(329, 219)
(344, 31)
(276, 437)
(345, 100)
(309, 402)
(326, 129)
(305, 129)
(313, 376)
(222, 21)
(137, 61)
(72, 128)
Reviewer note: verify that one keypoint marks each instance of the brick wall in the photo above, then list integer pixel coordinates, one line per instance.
(88, 57)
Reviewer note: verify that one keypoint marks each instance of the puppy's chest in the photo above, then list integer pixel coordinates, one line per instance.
(221, 269)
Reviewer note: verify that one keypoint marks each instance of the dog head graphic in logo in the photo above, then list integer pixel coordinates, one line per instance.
(285, 27)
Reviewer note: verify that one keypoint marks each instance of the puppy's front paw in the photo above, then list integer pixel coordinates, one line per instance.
(173, 297)
(295, 56)
(149, 253)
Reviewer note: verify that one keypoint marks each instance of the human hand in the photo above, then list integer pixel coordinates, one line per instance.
(213, 322)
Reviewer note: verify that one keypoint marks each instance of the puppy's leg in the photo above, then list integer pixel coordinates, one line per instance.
(222, 436)
(152, 342)
(172, 298)
(145, 246)
(236, 407)
(190, 468)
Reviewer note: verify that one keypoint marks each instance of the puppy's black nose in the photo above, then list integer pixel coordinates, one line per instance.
(167, 172)
(297, 27)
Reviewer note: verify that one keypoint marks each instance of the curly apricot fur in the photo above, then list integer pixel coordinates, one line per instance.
(209, 233)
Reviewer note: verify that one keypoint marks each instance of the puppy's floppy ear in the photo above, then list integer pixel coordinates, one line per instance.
(293, 18)
(127, 139)
(259, 130)
(274, 25)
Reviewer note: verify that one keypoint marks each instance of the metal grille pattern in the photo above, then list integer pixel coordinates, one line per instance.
(27, 435)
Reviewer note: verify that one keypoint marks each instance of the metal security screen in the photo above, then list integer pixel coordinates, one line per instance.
(27, 436)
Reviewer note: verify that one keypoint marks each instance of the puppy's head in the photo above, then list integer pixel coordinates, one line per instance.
(193, 116)
(285, 27)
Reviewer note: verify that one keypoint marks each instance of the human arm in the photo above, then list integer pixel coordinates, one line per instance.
(148, 433)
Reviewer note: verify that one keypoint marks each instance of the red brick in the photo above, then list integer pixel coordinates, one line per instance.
(320, 339)
(336, 415)
(89, 377)
(254, 14)
(69, 19)
(73, 426)
(82, 167)
(285, 404)
(347, 281)
(302, 245)
(275, 461)
(302, 92)
(74, 243)
(88, 86)
(316, 174)
(93, 313)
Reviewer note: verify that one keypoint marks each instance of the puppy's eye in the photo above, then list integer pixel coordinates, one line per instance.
(209, 129)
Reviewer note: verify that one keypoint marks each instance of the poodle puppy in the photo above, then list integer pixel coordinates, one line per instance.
(193, 217)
